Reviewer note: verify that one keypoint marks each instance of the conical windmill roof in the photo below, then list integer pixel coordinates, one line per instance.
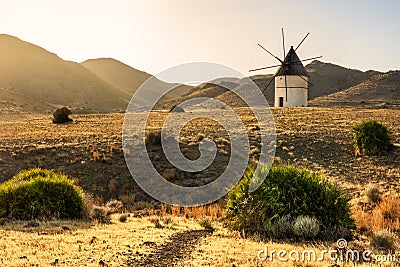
(292, 65)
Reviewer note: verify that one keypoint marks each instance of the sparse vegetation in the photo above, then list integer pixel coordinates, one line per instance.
(286, 191)
(34, 142)
(383, 240)
(61, 115)
(371, 137)
(206, 223)
(38, 193)
(373, 194)
(385, 215)
(115, 206)
(101, 214)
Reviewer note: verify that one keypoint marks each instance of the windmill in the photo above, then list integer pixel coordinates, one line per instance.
(291, 79)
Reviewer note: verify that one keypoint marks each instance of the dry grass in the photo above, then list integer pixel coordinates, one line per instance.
(385, 215)
(85, 244)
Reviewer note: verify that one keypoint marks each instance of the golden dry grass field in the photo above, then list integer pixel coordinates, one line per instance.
(89, 150)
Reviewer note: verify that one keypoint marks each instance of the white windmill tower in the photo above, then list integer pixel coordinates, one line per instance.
(291, 79)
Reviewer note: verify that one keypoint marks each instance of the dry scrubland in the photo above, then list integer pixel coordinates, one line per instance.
(89, 149)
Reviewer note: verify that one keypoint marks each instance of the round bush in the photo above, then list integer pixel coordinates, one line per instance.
(286, 192)
(38, 193)
(371, 137)
(61, 115)
(306, 227)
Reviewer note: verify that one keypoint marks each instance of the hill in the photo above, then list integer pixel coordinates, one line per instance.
(126, 78)
(329, 78)
(379, 89)
(326, 78)
(34, 80)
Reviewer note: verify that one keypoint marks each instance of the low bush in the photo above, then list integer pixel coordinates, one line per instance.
(153, 138)
(306, 227)
(115, 206)
(383, 240)
(38, 193)
(123, 218)
(371, 137)
(206, 223)
(373, 194)
(61, 115)
(286, 192)
(175, 108)
(101, 214)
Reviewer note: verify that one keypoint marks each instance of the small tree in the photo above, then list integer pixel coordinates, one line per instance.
(61, 115)
(371, 137)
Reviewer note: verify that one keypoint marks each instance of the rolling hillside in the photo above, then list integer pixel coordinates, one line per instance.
(326, 78)
(329, 78)
(37, 81)
(127, 78)
(377, 90)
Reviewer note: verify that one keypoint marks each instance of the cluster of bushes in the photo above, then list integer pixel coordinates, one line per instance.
(290, 203)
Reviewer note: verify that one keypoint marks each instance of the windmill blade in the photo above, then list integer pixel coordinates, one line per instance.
(295, 62)
(286, 87)
(302, 41)
(283, 41)
(265, 68)
(306, 80)
(270, 81)
(271, 53)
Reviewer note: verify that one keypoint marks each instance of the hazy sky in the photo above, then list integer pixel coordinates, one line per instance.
(153, 35)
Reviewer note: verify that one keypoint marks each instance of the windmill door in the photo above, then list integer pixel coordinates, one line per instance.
(281, 101)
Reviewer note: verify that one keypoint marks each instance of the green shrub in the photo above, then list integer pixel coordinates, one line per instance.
(286, 192)
(306, 227)
(280, 228)
(38, 193)
(371, 137)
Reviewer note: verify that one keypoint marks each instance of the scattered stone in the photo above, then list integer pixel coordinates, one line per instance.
(149, 243)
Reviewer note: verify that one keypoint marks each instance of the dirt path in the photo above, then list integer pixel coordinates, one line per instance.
(172, 252)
